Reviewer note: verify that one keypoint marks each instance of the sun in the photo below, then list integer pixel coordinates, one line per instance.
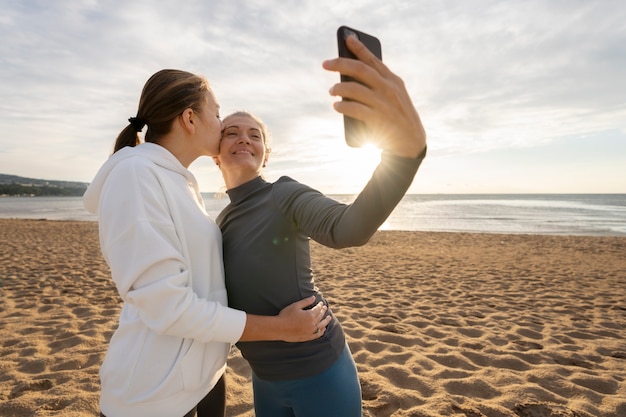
(356, 165)
(369, 154)
(332, 165)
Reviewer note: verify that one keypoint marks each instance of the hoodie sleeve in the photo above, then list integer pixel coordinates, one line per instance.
(142, 247)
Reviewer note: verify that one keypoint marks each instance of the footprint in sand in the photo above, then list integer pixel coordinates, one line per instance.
(544, 410)
(42, 385)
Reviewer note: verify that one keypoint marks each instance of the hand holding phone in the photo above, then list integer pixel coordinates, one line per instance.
(382, 101)
(355, 131)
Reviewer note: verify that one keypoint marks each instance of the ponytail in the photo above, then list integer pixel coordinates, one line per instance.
(127, 137)
(164, 97)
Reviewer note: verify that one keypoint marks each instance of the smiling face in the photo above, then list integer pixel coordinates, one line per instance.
(243, 149)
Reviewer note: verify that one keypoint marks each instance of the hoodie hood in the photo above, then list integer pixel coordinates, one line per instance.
(150, 151)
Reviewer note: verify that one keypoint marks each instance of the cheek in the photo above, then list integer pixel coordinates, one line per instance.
(225, 144)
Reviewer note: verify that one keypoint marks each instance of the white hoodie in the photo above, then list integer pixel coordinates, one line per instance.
(165, 255)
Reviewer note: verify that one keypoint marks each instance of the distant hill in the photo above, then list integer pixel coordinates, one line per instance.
(20, 186)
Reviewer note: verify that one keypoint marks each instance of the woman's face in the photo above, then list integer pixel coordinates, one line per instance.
(243, 146)
(211, 125)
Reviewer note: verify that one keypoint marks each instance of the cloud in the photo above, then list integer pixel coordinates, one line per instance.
(527, 72)
(484, 75)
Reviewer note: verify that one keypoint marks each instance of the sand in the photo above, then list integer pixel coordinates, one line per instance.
(440, 324)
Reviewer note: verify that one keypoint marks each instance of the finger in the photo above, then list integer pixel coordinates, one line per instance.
(355, 69)
(318, 315)
(363, 54)
(366, 68)
(355, 91)
(325, 322)
(320, 326)
(354, 107)
(317, 310)
(322, 310)
(321, 329)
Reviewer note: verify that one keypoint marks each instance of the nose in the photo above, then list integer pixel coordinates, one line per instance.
(243, 138)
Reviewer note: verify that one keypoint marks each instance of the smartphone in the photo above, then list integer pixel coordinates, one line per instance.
(355, 131)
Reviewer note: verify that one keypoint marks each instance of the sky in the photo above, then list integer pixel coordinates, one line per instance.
(522, 96)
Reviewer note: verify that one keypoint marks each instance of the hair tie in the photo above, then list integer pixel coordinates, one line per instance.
(137, 123)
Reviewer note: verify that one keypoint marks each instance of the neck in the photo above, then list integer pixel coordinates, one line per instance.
(236, 178)
(177, 147)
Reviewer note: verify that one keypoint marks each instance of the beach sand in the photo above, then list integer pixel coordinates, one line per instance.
(440, 324)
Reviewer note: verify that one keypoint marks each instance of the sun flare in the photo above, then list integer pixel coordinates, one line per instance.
(340, 168)
(357, 164)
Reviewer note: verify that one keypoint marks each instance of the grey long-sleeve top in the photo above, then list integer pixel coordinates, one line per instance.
(266, 230)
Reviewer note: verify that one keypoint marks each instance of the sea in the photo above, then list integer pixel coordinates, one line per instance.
(549, 214)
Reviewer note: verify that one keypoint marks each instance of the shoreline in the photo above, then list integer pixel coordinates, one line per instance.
(439, 323)
(549, 214)
(611, 234)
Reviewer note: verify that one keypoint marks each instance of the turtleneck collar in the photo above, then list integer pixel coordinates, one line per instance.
(241, 192)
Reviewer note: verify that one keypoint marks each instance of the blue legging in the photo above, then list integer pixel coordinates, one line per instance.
(336, 392)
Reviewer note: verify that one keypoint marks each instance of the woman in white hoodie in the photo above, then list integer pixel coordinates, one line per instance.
(168, 355)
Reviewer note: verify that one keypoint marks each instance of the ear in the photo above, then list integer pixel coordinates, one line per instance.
(216, 159)
(187, 120)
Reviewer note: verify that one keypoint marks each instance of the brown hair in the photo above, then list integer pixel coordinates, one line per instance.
(164, 97)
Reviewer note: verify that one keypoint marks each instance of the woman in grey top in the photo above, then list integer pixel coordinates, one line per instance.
(267, 226)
